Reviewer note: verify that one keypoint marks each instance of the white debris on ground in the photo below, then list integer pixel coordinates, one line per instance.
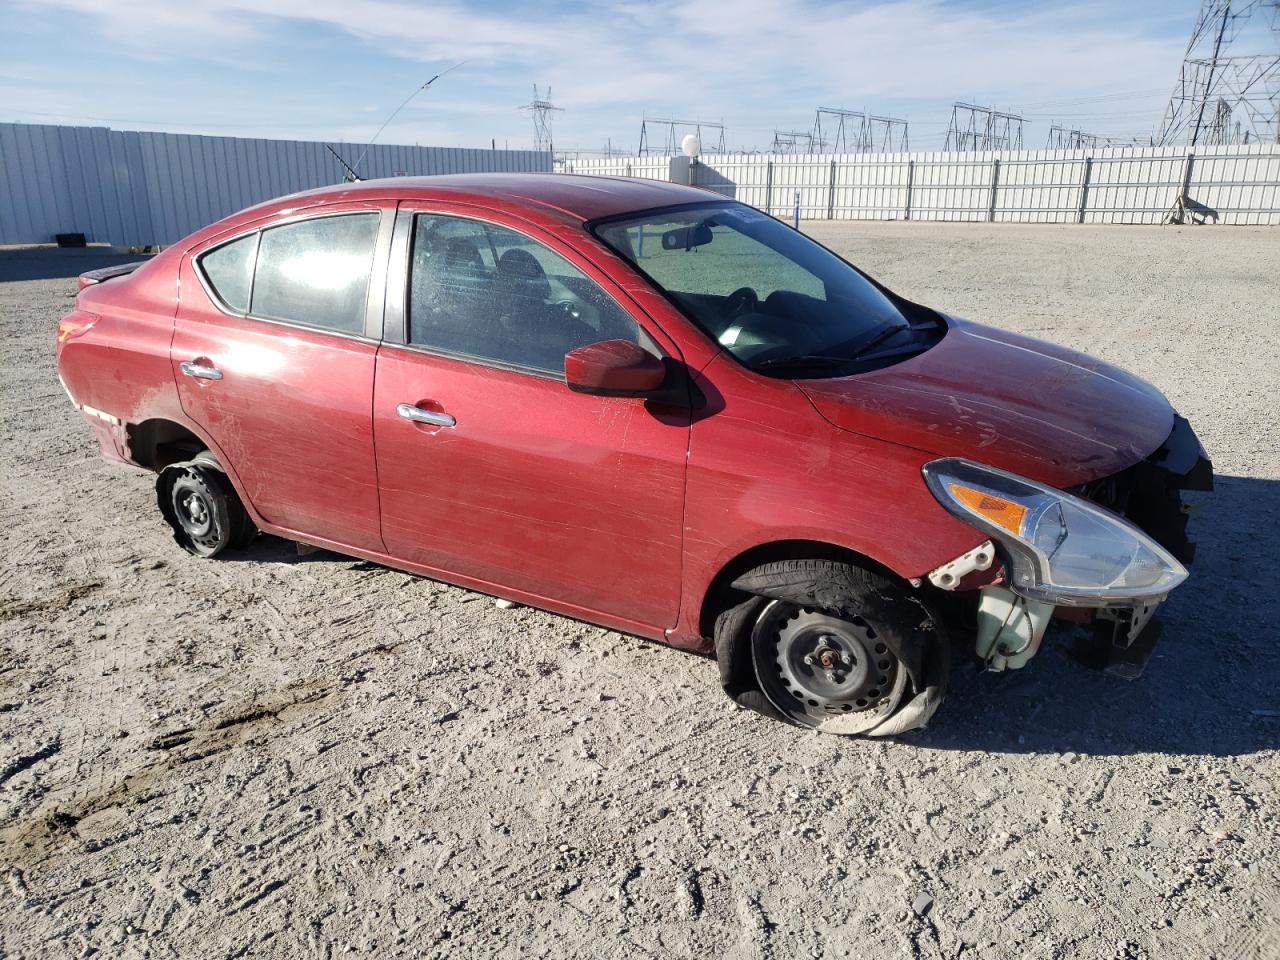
(277, 755)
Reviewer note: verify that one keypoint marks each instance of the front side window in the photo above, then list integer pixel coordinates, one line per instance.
(485, 292)
(228, 270)
(316, 272)
(768, 294)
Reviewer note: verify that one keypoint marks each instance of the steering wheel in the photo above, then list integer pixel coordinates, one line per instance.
(740, 301)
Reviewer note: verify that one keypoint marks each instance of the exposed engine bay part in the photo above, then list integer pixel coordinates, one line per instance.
(1123, 641)
(834, 647)
(1010, 628)
(1149, 494)
(202, 508)
(949, 575)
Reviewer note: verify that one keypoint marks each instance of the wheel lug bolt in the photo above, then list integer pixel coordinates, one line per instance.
(846, 659)
(808, 658)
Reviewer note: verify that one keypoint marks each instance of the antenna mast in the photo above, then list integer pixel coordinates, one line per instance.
(355, 167)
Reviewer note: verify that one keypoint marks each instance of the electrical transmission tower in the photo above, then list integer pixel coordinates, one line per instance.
(982, 128)
(670, 131)
(1228, 89)
(886, 135)
(843, 131)
(541, 109)
(1062, 138)
(792, 142)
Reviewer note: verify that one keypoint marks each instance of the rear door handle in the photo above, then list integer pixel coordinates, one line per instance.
(199, 370)
(434, 417)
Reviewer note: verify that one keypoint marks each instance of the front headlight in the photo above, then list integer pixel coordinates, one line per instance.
(1061, 549)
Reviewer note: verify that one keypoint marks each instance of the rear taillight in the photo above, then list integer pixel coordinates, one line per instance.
(75, 325)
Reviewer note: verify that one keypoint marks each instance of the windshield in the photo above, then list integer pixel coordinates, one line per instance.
(775, 299)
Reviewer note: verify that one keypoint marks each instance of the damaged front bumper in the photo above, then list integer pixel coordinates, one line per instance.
(1149, 495)
(1011, 624)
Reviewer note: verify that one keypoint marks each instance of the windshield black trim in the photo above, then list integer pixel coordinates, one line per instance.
(916, 314)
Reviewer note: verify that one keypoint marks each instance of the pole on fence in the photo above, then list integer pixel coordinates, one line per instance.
(911, 175)
(1178, 212)
(768, 186)
(831, 193)
(1084, 189)
(995, 183)
(797, 223)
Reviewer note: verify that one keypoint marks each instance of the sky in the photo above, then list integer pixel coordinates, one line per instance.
(336, 69)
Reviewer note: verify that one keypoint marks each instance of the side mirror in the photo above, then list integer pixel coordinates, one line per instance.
(613, 368)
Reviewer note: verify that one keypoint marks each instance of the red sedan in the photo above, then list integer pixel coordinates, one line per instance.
(649, 407)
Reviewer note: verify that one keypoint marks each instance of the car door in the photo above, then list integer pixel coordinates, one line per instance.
(490, 468)
(274, 351)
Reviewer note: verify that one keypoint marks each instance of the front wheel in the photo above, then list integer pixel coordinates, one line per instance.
(202, 508)
(834, 647)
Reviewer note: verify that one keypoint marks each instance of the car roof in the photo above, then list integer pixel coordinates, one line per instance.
(580, 196)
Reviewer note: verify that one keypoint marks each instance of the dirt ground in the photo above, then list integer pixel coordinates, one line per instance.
(275, 756)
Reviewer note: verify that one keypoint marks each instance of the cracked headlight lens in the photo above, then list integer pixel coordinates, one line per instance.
(1061, 549)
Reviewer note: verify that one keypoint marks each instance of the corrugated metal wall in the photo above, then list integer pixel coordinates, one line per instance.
(1231, 184)
(140, 189)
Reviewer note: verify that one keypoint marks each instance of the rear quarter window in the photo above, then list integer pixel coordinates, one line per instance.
(228, 270)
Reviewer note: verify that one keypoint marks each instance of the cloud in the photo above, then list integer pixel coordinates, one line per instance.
(758, 61)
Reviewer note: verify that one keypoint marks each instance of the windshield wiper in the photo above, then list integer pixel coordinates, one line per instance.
(810, 360)
(827, 360)
(878, 338)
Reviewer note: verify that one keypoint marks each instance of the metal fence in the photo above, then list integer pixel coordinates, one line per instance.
(144, 189)
(1230, 184)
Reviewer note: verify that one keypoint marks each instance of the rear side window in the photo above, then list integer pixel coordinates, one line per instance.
(492, 294)
(316, 272)
(229, 271)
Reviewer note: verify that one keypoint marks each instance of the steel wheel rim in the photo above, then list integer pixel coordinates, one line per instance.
(824, 670)
(196, 514)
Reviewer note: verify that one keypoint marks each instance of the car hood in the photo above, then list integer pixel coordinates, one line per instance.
(1014, 402)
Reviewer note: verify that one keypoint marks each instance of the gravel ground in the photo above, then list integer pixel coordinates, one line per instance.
(281, 756)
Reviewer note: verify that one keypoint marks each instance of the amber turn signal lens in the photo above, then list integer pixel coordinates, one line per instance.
(1006, 514)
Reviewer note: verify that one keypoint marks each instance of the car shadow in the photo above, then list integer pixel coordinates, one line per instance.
(265, 548)
(53, 264)
(1209, 689)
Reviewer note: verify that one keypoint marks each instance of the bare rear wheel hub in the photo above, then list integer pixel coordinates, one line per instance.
(825, 671)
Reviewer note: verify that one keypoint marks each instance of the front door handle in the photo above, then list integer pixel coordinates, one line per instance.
(199, 370)
(434, 417)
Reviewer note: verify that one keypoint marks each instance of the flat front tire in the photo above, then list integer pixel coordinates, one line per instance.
(834, 647)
